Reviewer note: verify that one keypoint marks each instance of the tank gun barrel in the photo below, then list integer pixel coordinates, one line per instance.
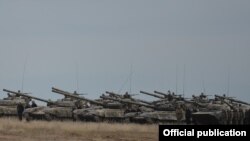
(128, 101)
(161, 93)
(228, 104)
(76, 96)
(233, 100)
(59, 91)
(62, 92)
(165, 94)
(168, 95)
(56, 90)
(25, 95)
(133, 94)
(143, 101)
(195, 103)
(150, 94)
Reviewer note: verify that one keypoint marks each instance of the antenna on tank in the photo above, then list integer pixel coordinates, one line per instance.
(176, 80)
(24, 69)
(77, 77)
(130, 78)
(203, 84)
(184, 79)
(228, 80)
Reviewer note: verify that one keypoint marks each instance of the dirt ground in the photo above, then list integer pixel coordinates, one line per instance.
(14, 130)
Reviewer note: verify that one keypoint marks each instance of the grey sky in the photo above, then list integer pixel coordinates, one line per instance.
(106, 37)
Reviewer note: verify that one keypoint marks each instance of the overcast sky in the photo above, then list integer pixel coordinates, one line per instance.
(106, 41)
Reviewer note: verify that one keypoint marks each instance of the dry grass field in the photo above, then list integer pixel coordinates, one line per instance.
(14, 130)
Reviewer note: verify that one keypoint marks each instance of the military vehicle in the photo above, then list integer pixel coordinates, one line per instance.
(85, 104)
(37, 112)
(8, 105)
(131, 110)
(99, 111)
(168, 103)
(61, 109)
(216, 111)
(156, 115)
(239, 108)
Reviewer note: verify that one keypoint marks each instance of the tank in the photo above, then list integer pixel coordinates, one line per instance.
(238, 107)
(149, 113)
(102, 110)
(8, 105)
(61, 109)
(165, 101)
(98, 114)
(215, 112)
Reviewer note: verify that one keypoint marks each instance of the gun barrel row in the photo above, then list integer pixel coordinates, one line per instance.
(143, 103)
(75, 96)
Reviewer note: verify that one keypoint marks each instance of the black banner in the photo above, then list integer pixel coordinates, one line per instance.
(200, 132)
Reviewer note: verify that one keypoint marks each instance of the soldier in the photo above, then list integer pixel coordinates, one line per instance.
(20, 109)
(88, 105)
(195, 109)
(169, 96)
(195, 98)
(230, 117)
(235, 116)
(188, 115)
(179, 113)
(203, 96)
(224, 116)
(27, 101)
(247, 117)
(241, 115)
(126, 95)
(33, 104)
(72, 113)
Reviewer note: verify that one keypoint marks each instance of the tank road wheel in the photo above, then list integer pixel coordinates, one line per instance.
(48, 117)
(149, 121)
(27, 117)
(126, 120)
(97, 119)
(76, 117)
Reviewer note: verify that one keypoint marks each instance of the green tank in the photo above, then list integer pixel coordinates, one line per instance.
(218, 111)
(8, 105)
(61, 109)
(149, 113)
(101, 110)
